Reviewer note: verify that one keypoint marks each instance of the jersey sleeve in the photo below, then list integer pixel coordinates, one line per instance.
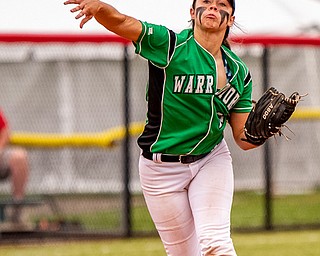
(154, 44)
(244, 104)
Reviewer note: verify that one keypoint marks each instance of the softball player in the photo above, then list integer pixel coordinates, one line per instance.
(196, 85)
(13, 164)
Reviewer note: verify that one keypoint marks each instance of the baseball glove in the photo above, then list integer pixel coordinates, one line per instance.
(268, 115)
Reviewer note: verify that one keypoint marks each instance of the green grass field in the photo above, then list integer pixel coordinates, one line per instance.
(248, 211)
(297, 243)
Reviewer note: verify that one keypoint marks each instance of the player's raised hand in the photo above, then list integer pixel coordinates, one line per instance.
(109, 17)
(86, 9)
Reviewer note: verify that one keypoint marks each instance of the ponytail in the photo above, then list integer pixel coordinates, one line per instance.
(225, 41)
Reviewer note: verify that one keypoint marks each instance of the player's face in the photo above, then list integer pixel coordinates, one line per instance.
(215, 14)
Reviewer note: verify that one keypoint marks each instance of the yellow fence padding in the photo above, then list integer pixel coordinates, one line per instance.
(101, 139)
(110, 137)
(303, 113)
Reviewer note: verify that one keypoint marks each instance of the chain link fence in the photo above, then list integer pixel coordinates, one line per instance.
(83, 86)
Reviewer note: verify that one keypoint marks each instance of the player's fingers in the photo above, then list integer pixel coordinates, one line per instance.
(75, 9)
(85, 20)
(83, 11)
(80, 14)
(69, 2)
(73, 2)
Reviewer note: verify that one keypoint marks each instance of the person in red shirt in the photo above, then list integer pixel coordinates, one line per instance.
(13, 164)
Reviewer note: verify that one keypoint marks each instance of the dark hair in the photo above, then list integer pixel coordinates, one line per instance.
(225, 39)
(231, 2)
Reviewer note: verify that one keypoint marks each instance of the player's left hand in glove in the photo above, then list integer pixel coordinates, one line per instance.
(268, 116)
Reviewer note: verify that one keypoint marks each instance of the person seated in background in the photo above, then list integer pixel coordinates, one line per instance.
(14, 165)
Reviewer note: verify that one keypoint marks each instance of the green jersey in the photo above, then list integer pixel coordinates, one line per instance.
(187, 114)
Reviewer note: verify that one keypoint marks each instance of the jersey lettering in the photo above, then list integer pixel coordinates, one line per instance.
(178, 83)
(189, 88)
(229, 96)
(199, 84)
(209, 85)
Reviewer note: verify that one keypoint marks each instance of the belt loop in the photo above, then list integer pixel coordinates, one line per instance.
(156, 157)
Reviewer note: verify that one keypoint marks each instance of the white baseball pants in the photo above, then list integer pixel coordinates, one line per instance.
(190, 204)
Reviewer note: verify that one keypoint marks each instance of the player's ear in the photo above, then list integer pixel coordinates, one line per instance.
(231, 21)
(192, 13)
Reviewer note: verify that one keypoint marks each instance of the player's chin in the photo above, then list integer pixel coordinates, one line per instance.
(210, 24)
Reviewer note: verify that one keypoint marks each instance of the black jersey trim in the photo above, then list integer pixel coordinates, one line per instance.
(155, 93)
(172, 46)
(154, 115)
(247, 79)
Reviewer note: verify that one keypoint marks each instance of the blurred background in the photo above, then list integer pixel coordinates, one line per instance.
(75, 99)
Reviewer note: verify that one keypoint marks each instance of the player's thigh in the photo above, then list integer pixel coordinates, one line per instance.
(211, 195)
(211, 203)
(164, 188)
(213, 185)
(173, 219)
